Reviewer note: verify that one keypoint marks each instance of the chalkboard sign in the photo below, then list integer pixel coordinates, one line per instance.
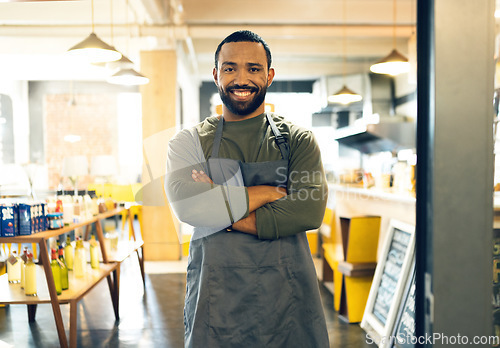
(389, 282)
(496, 283)
(404, 330)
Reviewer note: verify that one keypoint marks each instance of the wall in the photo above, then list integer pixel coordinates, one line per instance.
(188, 112)
(86, 109)
(18, 93)
(93, 117)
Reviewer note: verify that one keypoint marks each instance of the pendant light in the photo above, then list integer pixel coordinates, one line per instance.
(344, 95)
(93, 49)
(395, 63)
(123, 61)
(126, 75)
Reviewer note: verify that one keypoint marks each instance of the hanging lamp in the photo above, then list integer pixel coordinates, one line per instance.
(344, 95)
(93, 49)
(394, 63)
(124, 61)
(126, 75)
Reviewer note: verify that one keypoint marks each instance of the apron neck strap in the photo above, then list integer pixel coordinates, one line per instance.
(280, 139)
(217, 138)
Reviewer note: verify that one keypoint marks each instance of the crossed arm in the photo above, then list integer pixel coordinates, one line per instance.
(257, 197)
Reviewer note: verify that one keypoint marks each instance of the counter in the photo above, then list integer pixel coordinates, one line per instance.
(351, 201)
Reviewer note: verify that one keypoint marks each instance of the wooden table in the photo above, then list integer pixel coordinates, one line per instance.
(79, 287)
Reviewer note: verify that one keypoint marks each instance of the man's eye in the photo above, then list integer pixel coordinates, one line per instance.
(228, 69)
(254, 69)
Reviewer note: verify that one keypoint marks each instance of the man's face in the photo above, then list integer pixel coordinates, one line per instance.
(242, 78)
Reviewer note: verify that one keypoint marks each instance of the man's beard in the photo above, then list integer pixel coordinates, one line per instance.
(242, 108)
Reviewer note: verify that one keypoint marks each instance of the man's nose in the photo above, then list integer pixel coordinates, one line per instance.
(241, 77)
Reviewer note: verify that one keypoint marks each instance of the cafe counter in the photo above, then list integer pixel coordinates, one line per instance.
(355, 201)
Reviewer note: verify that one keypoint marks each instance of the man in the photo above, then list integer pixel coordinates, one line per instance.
(251, 184)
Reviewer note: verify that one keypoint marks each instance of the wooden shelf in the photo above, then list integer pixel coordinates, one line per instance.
(79, 287)
(124, 250)
(37, 237)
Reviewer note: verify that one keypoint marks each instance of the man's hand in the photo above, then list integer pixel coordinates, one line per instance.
(200, 176)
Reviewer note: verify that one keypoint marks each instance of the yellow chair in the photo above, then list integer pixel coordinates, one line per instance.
(126, 193)
(121, 193)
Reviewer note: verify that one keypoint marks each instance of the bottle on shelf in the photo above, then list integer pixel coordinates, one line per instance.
(94, 252)
(14, 268)
(111, 238)
(110, 203)
(24, 258)
(69, 254)
(56, 271)
(80, 261)
(59, 205)
(64, 269)
(30, 277)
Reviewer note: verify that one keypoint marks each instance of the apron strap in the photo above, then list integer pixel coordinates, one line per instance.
(280, 140)
(217, 138)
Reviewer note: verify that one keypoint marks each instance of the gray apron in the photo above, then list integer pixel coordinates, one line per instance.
(245, 292)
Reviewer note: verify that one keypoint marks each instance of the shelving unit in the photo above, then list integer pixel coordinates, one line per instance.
(79, 287)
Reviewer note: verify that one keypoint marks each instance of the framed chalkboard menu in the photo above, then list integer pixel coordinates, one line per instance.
(389, 282)
(404, 329)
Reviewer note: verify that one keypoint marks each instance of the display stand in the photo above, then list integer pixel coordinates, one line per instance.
(79, 287)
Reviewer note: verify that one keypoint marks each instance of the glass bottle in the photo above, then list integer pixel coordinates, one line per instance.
(69, 254)
(30, 277)
(24, 258)
(64, 269)
(94, 253)
(56, 272)
(14, 268)
(59, 205)
(80, 261)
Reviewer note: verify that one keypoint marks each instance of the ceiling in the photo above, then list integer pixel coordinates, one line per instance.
(306, 37)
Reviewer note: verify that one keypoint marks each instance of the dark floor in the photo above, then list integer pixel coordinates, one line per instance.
(150, 319)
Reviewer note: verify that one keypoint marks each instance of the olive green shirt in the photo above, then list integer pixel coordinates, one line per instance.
(250, 140)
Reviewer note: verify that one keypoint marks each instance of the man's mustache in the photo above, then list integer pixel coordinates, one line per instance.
(248, 88)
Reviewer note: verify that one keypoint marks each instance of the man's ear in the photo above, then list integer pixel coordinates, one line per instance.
(216, 78)
(270, 77)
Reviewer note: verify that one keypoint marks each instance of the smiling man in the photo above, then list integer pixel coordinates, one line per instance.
(242, 78)
(251, 281)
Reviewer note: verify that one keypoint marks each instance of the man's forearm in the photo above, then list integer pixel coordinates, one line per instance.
(257, 197)
(247, 225)
(262, 194)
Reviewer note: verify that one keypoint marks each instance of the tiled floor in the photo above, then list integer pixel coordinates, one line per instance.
(147, 319)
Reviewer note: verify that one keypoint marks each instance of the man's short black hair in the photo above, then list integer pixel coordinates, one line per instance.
(244, 36)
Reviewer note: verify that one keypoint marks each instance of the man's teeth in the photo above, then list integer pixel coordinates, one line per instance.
(242, 93)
